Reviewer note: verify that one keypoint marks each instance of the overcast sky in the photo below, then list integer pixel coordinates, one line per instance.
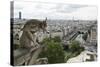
(40, 10)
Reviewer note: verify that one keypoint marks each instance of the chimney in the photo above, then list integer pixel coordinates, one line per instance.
(19, 15)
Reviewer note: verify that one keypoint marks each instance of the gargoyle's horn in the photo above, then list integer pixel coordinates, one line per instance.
(45, 20)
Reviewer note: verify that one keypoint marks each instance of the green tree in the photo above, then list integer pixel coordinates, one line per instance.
(54, 51)
(85, 36)
(74, 46)
(89, 32)
(57, 39)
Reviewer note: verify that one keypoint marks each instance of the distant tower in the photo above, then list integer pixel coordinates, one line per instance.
(73, 19)
(19, 15)
(63, 30)
(11, 8)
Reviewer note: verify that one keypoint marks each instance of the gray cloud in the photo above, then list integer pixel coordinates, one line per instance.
(69, 8)
(77, 6)
(52, 10)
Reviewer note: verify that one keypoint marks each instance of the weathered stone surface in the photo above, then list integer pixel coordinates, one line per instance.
(34, 56)
(20, 56)
(26, 56)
